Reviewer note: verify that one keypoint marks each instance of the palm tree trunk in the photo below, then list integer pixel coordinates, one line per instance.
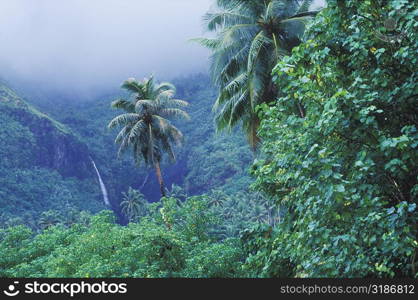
(160, 178)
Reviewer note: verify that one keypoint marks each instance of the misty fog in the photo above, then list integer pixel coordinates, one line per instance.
(83, 46)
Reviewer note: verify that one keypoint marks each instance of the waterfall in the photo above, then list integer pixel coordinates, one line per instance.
(102, 185)
(145, 181)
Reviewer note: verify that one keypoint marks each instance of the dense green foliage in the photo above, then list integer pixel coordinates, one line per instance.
(346, 172)
(194, 246)
(29, 142)
(26, 193)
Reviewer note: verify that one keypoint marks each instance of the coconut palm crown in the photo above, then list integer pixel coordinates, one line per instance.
(134, 204)
(145, 125)
(251, 37)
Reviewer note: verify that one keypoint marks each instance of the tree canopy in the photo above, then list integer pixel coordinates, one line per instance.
(346, 171)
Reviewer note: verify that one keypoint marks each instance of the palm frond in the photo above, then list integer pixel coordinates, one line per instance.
(232, 111)
(301, 17)
(124, 145)
(168, 149)
(227, 17)
(175, 135)
(146, 105)
(132, 86)
(274, 8)
(232, 35)
(137, 132)
(207, 43)
(259, 42)
(165, 95)
(123, 119)
(165, 86)
(304, 7)
(231, 89)
(122, 134)
(149, 87)
(174, 113)
(178, 103)
(123, 104)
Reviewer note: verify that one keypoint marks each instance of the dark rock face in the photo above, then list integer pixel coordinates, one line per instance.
(55, 146)
(59, 150)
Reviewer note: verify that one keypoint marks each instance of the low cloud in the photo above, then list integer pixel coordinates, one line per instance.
(83, 45)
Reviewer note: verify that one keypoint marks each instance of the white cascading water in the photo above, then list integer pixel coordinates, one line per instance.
(102, 185)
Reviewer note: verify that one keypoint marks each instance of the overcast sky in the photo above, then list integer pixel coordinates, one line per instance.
(82, 46)
(88, 44)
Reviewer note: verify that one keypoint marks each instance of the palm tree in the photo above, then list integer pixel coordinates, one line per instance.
(178, 193)
(49, 218)
(146, 129)
(251, 37)
(134, 204)
(217, 198)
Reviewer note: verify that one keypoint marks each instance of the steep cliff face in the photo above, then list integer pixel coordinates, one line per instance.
(43, 166)
(52, 144)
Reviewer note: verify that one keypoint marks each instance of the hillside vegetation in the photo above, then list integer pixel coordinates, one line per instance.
(43, 166)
